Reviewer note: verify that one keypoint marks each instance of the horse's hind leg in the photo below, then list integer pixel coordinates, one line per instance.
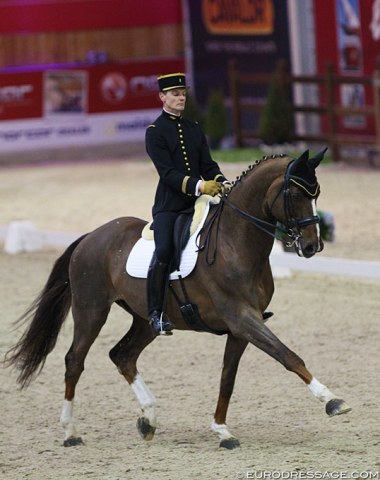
(234, 350)
(124, 355)
(87, 325)
(261, 336)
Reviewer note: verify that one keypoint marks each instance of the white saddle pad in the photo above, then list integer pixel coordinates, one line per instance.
(141, 254)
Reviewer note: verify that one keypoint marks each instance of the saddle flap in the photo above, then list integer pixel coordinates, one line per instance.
(181, 235)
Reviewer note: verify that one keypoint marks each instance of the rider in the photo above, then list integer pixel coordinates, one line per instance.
(180, 153)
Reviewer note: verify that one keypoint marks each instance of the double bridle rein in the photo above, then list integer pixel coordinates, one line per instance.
(291, 229)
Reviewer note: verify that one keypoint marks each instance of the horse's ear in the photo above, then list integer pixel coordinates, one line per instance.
(304, 157)
(315, 161)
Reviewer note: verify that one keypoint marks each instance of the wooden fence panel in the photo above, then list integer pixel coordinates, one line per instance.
(328, 86)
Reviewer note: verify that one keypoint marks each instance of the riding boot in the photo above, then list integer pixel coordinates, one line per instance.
(156, 288)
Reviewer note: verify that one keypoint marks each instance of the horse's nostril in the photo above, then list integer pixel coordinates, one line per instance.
(309, 250)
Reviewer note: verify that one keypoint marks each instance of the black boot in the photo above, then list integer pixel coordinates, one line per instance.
(157, 280)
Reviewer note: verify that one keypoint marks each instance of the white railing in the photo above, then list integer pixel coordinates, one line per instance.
(23, 236)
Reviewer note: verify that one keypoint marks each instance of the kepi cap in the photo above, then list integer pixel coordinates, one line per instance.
(171, 81)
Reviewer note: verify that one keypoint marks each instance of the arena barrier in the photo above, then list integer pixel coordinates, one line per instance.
(23, 236)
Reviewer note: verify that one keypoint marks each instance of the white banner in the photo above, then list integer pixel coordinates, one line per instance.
(75, 130)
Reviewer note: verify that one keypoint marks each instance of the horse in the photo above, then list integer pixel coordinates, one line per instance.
(231, 285)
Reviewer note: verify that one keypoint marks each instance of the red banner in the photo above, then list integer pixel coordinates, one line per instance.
(348, 37)
(63, 15)
(20, 95)
(83, 90)
(130, 86)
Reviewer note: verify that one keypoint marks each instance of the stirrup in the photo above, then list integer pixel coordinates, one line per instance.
(160, 325)
(267, 315)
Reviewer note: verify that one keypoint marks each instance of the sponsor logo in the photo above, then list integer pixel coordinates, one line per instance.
(238, 17)
(114, 87)
(15, 93)
(143, 85)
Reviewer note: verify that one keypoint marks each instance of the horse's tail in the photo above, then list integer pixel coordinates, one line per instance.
(46, 315)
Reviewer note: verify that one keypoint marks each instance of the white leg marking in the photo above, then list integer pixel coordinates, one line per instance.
(67, 419)
(320, 391)
(145, 398)
(221, 430)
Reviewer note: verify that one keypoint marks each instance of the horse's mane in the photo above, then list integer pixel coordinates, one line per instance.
(252, 167)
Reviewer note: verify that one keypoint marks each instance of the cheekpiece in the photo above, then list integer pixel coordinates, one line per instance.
(171, 81)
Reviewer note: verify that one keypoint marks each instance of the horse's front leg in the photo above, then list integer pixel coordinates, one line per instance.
(256, 332)
(234, 349)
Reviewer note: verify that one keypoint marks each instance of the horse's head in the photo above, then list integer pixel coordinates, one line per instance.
(292, 201)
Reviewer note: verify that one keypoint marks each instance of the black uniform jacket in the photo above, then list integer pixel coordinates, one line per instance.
(180, 153)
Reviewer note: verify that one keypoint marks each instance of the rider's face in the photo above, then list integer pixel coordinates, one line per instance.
(174, 100)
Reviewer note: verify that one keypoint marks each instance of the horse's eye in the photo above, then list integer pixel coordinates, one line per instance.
(297, 196)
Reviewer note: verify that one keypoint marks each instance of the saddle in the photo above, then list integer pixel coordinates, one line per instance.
(185, 237)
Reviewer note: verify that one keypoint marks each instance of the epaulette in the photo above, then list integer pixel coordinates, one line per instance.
(152, 125)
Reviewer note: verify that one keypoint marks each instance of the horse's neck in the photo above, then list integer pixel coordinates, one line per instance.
(243, 236)
(239, 234)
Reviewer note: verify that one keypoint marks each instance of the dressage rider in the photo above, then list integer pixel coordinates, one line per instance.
(180, 153)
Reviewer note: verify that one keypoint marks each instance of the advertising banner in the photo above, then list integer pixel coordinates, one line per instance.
(106, 128)
(348, 37)
(79, 106)
(131, 86)
(253, 32)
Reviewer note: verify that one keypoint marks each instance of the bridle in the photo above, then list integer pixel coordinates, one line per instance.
(292, 229)
(293, 226)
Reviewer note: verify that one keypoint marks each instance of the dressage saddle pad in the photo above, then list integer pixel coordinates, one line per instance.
(141, 253)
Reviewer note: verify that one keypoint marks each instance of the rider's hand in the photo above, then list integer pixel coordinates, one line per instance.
(210, 187)
(226, 186)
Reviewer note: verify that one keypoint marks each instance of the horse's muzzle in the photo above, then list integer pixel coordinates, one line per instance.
(309, 249)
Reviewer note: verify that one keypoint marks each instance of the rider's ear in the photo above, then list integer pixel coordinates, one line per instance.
(315, 161)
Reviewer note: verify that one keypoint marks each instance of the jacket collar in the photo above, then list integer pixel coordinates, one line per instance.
(171, 116)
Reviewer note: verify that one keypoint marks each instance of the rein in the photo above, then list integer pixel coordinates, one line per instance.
(291, 229)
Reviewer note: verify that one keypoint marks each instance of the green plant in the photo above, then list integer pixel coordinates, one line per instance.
(276, 122)
(216, 119)
(192, 110)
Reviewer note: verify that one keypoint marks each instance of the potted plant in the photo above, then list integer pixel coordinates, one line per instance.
(216, 119)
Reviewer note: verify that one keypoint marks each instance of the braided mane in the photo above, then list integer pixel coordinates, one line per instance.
(250, 168)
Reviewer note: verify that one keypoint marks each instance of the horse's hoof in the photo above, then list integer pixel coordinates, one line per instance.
(336, 406)
(145, 429)
(73, 442)
(229, 443)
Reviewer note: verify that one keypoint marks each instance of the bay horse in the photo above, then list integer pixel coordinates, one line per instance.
(232, 285)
